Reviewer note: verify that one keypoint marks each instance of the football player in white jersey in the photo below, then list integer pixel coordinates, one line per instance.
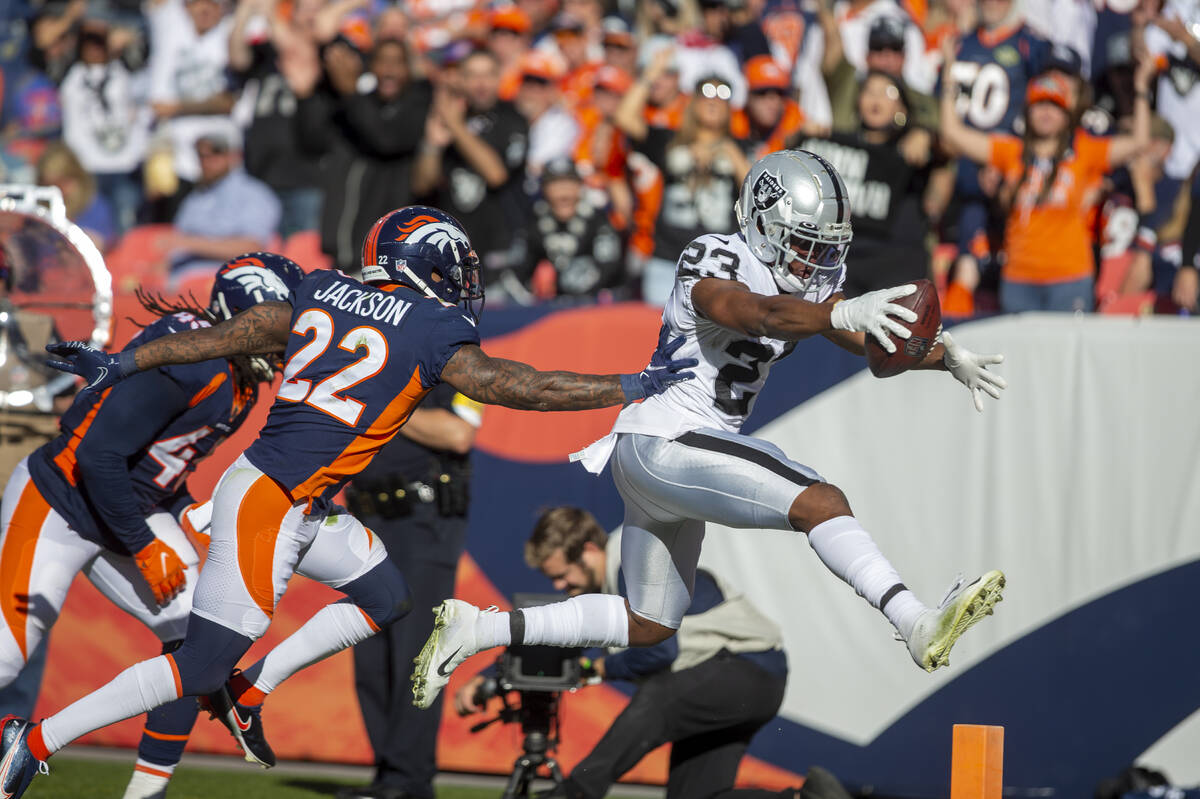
(679, 459)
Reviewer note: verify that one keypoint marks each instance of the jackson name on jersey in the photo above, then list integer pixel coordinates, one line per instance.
(732, 366)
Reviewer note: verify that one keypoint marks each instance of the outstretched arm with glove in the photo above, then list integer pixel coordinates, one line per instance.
(869, 314)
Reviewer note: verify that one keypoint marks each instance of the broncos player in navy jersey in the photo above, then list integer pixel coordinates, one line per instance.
(359, 357)
(103, 497)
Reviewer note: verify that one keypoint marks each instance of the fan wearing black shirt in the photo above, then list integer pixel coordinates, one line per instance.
(472, 158)
(890, 195)
(272, 150)
(571, 248)
(363, 118)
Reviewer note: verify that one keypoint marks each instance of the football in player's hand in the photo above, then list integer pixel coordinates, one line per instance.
(909, 353)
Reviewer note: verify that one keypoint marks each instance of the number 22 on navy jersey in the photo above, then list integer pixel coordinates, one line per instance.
(359, 360)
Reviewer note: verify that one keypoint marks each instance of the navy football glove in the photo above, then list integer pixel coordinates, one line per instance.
(100, 369)
(662, 371)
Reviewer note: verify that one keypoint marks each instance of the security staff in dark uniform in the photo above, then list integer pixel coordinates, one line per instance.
(414, 496)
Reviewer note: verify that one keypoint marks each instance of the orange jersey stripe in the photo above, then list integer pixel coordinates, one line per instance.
(358, 453)
(65, 460)
(16, 559)
(259, 516)
(208, 390)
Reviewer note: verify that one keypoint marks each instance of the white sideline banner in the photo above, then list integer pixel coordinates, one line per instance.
(1084, 478)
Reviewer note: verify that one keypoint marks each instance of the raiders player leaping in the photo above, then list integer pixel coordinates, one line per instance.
(679, 459)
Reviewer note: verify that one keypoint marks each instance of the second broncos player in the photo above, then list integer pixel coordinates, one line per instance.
(103, 498)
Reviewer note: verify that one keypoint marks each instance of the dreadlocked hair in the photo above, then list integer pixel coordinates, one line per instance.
(1061, 150)
(245, 379)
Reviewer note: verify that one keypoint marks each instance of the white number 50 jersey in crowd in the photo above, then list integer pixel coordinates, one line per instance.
(732, 366)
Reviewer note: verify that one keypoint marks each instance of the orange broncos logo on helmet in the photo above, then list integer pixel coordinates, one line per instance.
(247, 261)
(414, 223)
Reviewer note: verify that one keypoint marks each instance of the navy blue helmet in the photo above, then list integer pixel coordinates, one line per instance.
(247, 280)
(250, 279)
(424, 248)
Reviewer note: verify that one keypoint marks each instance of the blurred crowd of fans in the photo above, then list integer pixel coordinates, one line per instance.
(996, 146)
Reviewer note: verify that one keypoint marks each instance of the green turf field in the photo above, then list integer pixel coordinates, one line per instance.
(100, 779)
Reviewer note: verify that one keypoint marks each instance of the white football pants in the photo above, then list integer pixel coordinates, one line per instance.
(671, 487)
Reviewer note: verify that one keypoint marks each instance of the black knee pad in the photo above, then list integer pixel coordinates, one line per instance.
(381, 593)
(207, 656)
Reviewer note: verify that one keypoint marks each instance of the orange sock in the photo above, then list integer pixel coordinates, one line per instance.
(252, 697)
(244, 692)
(36, 745)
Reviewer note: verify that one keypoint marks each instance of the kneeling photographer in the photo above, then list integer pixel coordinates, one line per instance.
(707, 690)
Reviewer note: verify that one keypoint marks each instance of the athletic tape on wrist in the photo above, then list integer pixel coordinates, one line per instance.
(516, 627)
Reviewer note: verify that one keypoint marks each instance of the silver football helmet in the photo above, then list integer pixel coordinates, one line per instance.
(794, 212)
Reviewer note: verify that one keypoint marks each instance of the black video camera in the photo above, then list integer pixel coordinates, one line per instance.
(533, 668)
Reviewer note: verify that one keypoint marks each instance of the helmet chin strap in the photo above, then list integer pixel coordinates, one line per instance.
(224, 307)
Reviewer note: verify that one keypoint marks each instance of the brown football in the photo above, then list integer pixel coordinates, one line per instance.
(909, 353)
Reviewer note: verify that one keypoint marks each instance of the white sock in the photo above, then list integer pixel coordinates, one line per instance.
(149, 780)
(141, 687)
(493, 629)
(847, 550)
(584, 620)
(333, 628)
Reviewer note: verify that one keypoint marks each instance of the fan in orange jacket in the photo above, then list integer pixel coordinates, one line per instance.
(771, 115)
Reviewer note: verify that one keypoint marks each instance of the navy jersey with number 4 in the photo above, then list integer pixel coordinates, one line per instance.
(124, 453)
(359, 360)
(992, 70)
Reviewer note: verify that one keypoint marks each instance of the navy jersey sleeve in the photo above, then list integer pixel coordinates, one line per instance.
(130, 418)
(451, 330)
(303, 290)
(166, 325)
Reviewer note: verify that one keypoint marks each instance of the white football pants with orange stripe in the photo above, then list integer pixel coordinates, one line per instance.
(260, 538)
(39, 557)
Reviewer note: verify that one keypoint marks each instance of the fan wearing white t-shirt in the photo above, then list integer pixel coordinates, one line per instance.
(1170, 39)
(189, 78)
(105, 123)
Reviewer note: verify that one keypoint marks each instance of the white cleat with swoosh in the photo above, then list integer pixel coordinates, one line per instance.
(452, 641)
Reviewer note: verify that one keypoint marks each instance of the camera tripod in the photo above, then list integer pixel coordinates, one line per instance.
(538, 714)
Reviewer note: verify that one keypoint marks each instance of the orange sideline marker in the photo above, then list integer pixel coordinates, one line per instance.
(977, 762)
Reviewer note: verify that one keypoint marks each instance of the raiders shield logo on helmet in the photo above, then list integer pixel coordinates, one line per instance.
(767, 191)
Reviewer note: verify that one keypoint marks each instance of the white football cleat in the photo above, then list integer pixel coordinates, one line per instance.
(452, 641)
(937, 629)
